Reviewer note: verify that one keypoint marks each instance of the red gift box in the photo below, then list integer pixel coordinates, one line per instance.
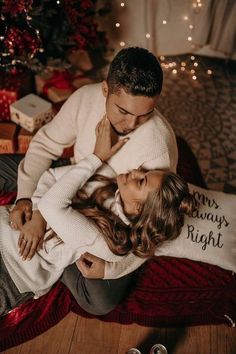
(24, 139)
(13, 87)
(8, 132)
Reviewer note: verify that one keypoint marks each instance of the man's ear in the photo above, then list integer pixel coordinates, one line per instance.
(105, 88)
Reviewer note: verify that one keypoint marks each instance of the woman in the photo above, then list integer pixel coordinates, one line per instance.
(131, 216)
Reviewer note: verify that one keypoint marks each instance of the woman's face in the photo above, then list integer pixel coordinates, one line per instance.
(135, 186)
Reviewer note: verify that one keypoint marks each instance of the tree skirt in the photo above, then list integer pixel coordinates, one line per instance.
(169, 292)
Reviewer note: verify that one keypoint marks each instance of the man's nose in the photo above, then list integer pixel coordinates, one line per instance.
(131, 122)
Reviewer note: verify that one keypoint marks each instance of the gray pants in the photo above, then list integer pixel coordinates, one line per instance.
(10, 297)
(95, 296)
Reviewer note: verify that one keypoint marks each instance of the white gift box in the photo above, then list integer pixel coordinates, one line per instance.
(31, 112)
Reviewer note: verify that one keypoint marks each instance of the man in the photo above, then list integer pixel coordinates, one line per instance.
(128, 97)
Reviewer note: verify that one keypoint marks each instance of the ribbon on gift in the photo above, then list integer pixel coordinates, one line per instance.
(60, 80)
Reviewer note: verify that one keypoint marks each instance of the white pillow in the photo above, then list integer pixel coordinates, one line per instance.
(210, 235)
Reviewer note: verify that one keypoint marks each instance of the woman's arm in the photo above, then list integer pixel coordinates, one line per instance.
(55, 206)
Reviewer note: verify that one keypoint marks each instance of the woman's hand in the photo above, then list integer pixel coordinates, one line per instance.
(90, 266)
(103, 147)
(31, 236)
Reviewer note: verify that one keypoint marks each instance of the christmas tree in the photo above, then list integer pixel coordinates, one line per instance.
(35, 30)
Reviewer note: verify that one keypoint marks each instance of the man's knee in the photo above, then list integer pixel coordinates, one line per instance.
(96, 296)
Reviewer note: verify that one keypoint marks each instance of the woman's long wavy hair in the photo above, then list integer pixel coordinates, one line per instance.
(161, 218)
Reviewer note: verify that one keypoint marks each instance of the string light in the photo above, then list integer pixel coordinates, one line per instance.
(190, 65)
(11, 51)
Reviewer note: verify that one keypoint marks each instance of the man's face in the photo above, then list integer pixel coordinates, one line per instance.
(127, 112)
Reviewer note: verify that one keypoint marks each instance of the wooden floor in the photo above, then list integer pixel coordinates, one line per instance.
(77, 335)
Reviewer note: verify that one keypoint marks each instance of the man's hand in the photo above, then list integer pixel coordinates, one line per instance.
(21, 213)
(31, 236)
(103, 146)
(90, 266)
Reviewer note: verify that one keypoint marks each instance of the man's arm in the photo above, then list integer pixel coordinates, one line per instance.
(47, 145)
(93, 267)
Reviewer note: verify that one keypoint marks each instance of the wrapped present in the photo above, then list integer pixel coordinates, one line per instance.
(8, 142)
(56, 85)
(31, 112)
(80, 59)
(24, 139)
(13, 87)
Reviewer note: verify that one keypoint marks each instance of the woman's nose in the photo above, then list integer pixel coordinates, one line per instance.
(137, 174)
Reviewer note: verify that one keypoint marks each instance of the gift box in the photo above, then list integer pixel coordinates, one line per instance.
(8, 142)
(58, 85)
(31, 112)
(24, 138)
(13, 87)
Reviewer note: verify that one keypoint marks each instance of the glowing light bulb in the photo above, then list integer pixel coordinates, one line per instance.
(192, 57)
(164, 22)
(122, 4)
(122, 44)
(162, 57)
(186, 18)
(58, 2)
(148, 35)
(182, 68)
(174, 71)
(190, 26)
(195, 64)
(189, 38)
(183, 63)
(194, 77)
(117, 24)
(209, 72)
(192, 71)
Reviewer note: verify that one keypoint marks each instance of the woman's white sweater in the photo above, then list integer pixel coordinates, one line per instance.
(77, 233)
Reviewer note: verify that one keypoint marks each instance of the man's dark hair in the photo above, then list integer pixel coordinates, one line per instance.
(137, 71)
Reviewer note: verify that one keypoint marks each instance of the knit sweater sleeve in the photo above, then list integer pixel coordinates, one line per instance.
(55, 206)
(46, 181)
(48, 145)
(128, 264)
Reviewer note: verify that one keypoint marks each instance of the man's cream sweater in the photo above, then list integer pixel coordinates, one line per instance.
(152, 145)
